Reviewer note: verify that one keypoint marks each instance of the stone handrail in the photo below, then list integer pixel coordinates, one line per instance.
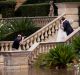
(39, 36)
(44, 33)
(6, 45)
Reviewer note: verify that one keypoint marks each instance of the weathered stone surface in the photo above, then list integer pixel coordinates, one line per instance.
(14, 58)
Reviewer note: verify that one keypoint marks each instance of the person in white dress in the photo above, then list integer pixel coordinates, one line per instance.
(61, 35)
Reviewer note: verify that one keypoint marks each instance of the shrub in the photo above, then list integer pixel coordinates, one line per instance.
(36, 1)
(41, 61)
(59, 56)
(76, 43)
(11, 28)
(33, 10)
(7, 8)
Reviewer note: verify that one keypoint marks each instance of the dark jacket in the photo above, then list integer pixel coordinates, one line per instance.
(67, 27)
(16, 43)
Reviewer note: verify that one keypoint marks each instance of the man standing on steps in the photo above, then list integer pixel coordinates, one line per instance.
(66, 26)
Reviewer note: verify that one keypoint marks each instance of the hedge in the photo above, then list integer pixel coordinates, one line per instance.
(7, 8)
(30, 10)
(36, 1)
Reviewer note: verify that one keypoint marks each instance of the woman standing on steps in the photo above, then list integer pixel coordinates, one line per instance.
(61, 35)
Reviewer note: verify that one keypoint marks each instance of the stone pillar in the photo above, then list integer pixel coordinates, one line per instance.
(71, 11)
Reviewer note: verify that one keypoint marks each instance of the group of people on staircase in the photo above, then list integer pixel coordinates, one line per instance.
(64, 30)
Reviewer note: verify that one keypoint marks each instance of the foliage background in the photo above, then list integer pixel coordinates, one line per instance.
(9, 29)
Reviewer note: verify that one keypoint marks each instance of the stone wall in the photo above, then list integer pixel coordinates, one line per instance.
(16, 58)
(71, 10)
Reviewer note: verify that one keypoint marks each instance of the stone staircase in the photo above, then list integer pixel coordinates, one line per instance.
(39, 42)
(47, 33)
(44, 47)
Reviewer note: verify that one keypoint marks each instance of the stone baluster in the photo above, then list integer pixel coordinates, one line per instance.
(39, 37)
(49, 31)
(46, 34)
(35, 53)
(43, 23)
(37, 50)
(31, 41)
(57, 24)
(2, 47)
(10, 46)
(6, 47)
(23, 47)
(35, 38)
(32, 56)
(40, 49)
(20, 48)
(53, 30)
(46, 20)
(27, 44)
(40, 21)
(42, 36)
(46, 46)
(49, 47)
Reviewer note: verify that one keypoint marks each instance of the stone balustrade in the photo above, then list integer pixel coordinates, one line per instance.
(44, 47)
(5, 45)
(38, 21)
(42, 21)
(44, 33)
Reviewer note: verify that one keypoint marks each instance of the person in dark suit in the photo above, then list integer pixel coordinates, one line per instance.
(66, 26)
(16, 42)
